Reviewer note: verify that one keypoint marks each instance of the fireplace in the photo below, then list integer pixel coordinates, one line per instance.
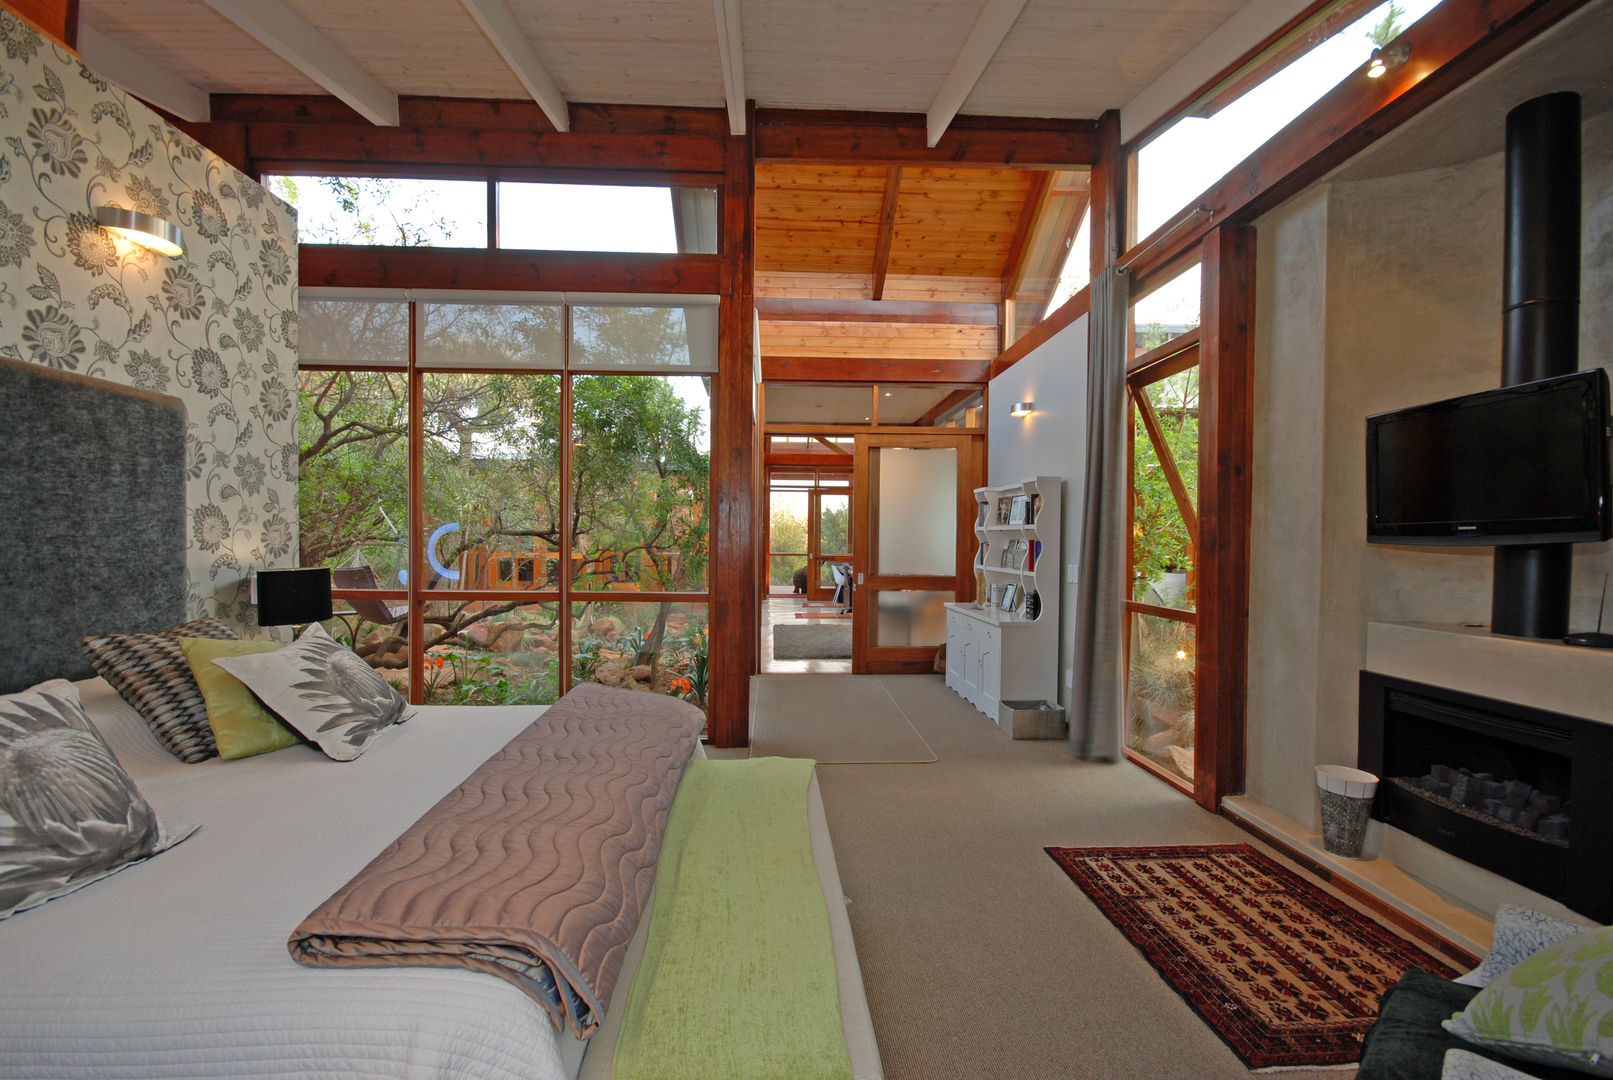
(1525, 793)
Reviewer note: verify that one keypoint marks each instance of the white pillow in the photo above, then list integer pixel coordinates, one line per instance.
(1555, 1008)
(323, 690)
(1520, 932)
(69, 814)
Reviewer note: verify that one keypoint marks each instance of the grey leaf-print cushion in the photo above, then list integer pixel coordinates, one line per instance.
(1520, 932)
(323, 690)
(69, 814)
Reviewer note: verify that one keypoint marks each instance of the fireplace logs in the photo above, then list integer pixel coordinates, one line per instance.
(1515, 805)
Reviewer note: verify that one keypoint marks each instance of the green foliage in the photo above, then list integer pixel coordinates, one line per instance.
(1389, 27)
(1160, 540)
(491, 457)
(372, 210)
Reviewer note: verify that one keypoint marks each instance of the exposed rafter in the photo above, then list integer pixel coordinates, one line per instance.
(1030, 221)
(991, 27)
(142, 78)
(731, 51)
(296, 41)
(505, 35)
(887, 228)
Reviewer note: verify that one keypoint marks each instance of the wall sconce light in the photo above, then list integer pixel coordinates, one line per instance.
(1022, 409)
(1385, 58)
(147, 230)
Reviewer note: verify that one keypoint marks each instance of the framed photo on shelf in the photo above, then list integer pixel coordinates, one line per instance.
(1010, 597)
(1002, 510)
(1017, 508)
(1035, 508)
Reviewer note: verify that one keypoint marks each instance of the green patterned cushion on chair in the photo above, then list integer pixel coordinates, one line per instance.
(1555, 1007)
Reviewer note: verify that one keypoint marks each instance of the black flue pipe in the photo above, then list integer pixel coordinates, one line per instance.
(1539, 329)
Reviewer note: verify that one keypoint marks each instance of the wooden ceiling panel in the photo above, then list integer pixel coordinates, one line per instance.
(628, 51)
(423, 47)
(957, 221)
(1076, 60)
(197, 44)
(818, 218)
(809, 54)
(879, 340)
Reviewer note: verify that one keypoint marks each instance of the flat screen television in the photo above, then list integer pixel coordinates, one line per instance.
(1525, 464)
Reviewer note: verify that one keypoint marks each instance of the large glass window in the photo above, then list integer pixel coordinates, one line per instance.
(1234, 119)
(508, 540)
(640, 460)
(601, 217)
(387, 211)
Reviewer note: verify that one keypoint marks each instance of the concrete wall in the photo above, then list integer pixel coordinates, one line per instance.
(1052, 441)
(1373, 295)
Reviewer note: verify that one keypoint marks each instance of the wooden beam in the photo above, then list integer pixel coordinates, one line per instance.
(296, 41)
(1108, 233)
(542, 271)
(487, 114)
(991, 26)
(1226, 450)
(353, 145)
(863, 138)
(1172, 351)
(150, 82)
(731, 55)
(56, 19)
(909, 312)
(1448, 46)
(942, 407)
(887, 227)
(736, 524)
(1030, 219)
(498, 24)
(847, 369)
(833, 448)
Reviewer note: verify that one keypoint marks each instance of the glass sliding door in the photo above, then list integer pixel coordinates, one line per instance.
(914, 519)
(1161, 606)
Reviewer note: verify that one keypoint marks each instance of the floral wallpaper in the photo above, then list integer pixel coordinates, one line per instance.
(216, 326)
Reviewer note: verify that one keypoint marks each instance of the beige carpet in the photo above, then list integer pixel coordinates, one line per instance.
(980, 959)
(812, 641)
(836, 719)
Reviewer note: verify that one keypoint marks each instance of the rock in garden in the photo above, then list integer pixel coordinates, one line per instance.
(642, 672)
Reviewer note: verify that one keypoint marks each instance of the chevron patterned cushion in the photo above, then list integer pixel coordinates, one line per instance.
(149, 672)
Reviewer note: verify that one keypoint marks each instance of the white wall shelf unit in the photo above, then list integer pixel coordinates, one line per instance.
(999, 653)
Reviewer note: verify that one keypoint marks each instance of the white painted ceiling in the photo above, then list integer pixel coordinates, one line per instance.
(1058, 58)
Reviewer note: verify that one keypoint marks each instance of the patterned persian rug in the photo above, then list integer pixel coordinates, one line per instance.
(1286, 974)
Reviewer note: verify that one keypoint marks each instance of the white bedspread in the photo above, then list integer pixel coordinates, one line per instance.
(177, 967)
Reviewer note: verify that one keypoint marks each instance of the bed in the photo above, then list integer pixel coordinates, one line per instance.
(178, 965)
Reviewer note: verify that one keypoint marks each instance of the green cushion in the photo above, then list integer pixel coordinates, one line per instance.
(1555, 1007)
(241, 725)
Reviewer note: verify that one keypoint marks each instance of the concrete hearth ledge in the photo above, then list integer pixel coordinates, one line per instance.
(1376, 876)
(1543, 674)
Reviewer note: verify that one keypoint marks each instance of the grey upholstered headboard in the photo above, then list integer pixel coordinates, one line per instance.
(92, 517)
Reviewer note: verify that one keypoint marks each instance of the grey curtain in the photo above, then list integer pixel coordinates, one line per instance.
(1097, 705)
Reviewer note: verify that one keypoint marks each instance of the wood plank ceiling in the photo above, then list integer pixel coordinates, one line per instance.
(883, 269)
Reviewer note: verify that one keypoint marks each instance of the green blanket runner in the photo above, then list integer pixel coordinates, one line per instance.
(738, 975)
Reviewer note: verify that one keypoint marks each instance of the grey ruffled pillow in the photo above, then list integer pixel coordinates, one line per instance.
(69, 814)
(323, 690)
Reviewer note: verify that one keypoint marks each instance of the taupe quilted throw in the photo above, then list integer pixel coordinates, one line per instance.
(536, 868)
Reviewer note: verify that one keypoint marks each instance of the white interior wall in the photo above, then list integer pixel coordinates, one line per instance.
(1049, 442)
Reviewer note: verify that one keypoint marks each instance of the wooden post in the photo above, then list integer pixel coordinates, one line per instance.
(1226, 433)
(734, 601)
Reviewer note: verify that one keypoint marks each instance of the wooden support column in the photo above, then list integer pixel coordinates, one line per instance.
(1226, 405)
(1108, 232)
(735, 607)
